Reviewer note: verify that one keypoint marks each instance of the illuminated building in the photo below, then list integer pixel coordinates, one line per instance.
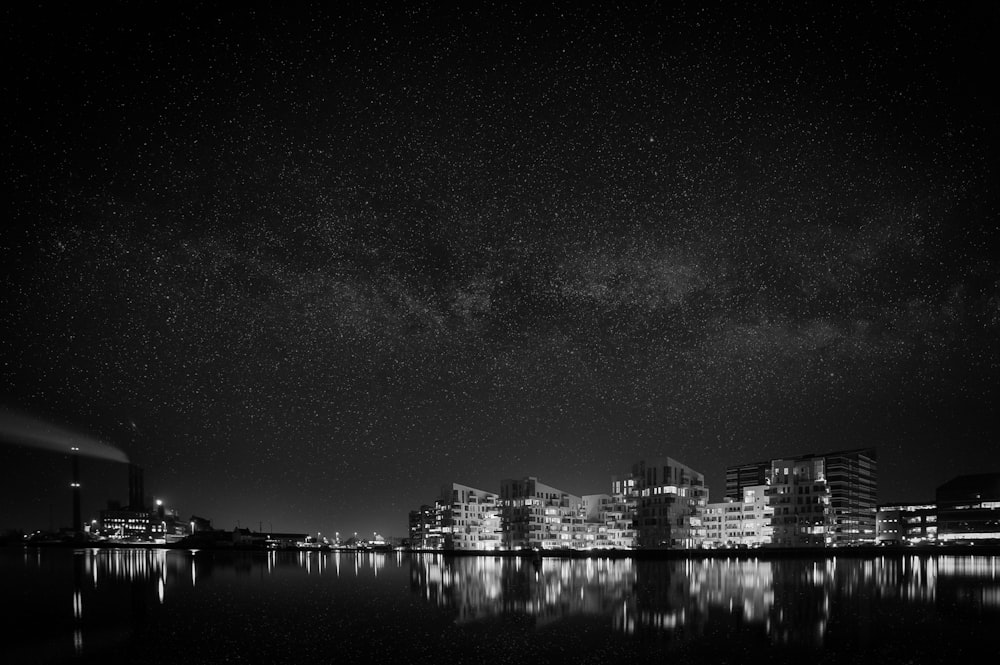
(800, 501)
(471, 518)
(744, 523)
(462, 518)
(670, 502)
(535, 515)
(746, 475)
(609, 521)
(426, 529)
(844, 482)
(131, 525)
(968, 509)
(852, 476)
(909, 523)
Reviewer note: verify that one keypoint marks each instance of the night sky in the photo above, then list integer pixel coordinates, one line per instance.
(304, 267)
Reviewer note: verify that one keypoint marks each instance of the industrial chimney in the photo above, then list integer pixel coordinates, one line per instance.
(136, 489)
(75, 488)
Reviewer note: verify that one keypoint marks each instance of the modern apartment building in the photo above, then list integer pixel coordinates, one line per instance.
(609, 521)
(670, 503)
(535, 515)
(843, 482)
(471, 518)
(742, 476)
(906, 523)
(426, 528)
(462, 518)
(800, 500)
(744, 523)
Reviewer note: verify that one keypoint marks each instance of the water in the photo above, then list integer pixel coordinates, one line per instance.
(168, 606)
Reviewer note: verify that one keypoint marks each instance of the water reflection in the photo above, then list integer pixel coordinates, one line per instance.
(482, 587)
(792, 601)
(836, 602)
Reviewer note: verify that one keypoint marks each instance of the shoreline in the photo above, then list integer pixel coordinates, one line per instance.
(644, 554)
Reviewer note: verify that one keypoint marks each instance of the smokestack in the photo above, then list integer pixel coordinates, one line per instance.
(136, 489)
(75, 486)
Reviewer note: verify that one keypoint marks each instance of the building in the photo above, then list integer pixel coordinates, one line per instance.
(537, 516)
(135, 525)
(608, 521)
(670, 500)
(799, 498)
(853, 480)
(470, 518)
(968, 509)
(744, 523)
(844, 483)
(906, 523)
(742, 476)
(426, 528)
(462, 518)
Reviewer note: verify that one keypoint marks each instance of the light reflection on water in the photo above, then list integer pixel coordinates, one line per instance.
(792, 602)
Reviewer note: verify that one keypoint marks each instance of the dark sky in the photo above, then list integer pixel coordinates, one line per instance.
(306, 266)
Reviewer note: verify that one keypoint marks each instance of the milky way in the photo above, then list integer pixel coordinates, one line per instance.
(306, 267)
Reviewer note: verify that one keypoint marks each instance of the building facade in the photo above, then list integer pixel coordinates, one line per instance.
(744, 523)
(826, 499)
(470, 519)
(906, 524)
(742, 476)
(426, 530)
(968, 509)
(852, 476)
(537, 516)
(799, 498)
(608, 521)
(670, 500)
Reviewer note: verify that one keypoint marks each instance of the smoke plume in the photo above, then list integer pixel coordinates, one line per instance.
(25, 430)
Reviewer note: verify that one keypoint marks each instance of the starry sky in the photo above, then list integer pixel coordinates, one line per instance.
(305, 266)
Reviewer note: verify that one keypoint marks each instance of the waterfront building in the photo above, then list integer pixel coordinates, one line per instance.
(462, 518)
(608, 522)
(744, 523)
(426, 530)
(843, 482)
(713, 519)
(742, 476)
(906, 523)
(537, 516)
(670, 500)
(968, 509)
(132, 525)
(799, 497)
(853, 480)
(470, 519)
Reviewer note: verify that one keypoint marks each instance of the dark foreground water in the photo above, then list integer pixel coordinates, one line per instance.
(173, 606)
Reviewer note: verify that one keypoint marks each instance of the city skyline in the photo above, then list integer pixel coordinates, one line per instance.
(303, 266)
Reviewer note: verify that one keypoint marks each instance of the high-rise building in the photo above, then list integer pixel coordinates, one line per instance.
(853, 480)
(742, 476)
(968, 509)
(670, 500)
(799, 497)
(826, 499)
